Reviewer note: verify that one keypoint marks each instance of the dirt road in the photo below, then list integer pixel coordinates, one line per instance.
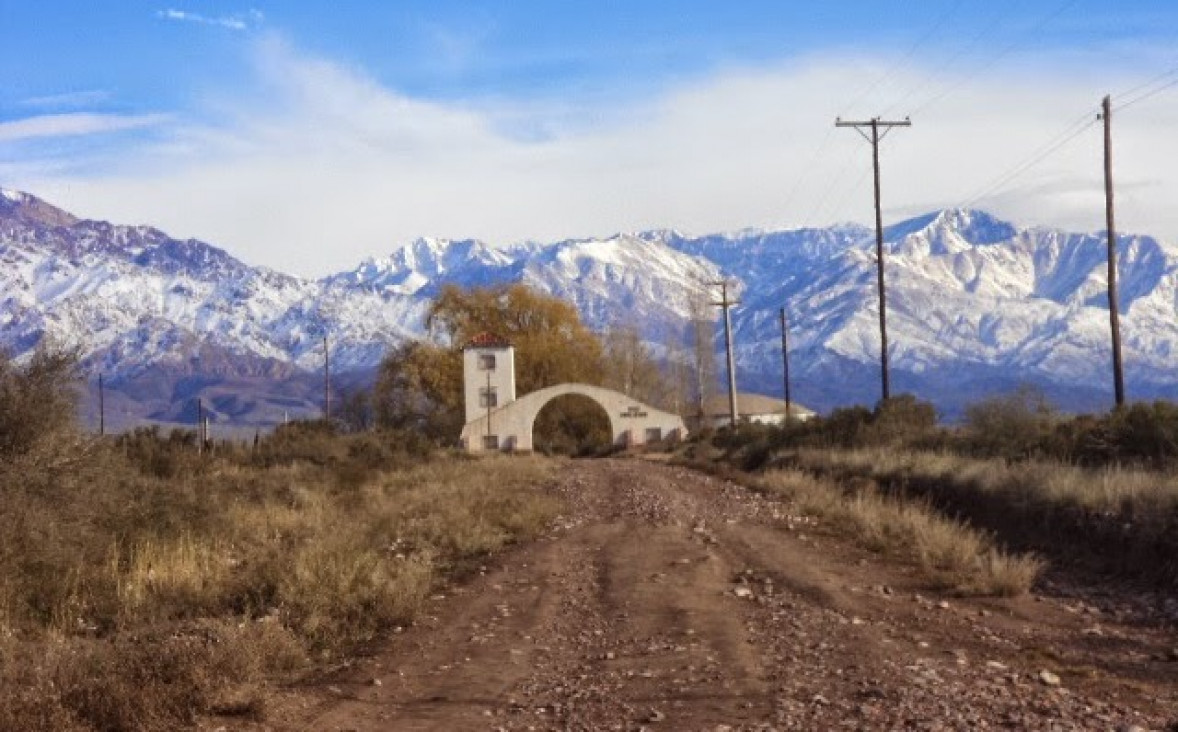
(667, 599)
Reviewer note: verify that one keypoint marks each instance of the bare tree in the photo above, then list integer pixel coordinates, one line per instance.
(702, 330)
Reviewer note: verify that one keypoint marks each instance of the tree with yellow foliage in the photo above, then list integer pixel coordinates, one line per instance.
(419, 385)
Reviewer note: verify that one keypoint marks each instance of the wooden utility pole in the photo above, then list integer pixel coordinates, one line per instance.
(101, 407)
(876, 124)
(785, 366)
(1113, 307)
(727, 304)
(326, 380)
(200, 425)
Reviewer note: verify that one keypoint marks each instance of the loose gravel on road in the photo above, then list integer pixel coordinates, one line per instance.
(666, 599)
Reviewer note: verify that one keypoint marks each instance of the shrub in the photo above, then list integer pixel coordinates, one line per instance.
(900, 420)
(1145, 433)
(159, 456)
(1014, 425)
(36, 400)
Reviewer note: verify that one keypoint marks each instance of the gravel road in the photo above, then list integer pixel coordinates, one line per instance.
(670, 600)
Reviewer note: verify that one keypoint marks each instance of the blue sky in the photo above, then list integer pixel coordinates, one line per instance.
(335, 131)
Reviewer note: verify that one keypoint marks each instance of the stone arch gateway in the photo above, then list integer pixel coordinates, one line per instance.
(509, 427)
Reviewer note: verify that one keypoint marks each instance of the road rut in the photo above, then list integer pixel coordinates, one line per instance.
(669, 599)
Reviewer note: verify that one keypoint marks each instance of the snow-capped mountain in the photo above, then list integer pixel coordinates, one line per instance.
(974, 303)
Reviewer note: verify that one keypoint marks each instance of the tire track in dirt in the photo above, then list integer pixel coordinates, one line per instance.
(670, 599)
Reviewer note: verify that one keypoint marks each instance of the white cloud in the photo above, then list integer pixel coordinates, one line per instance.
(318, 165)
(236, 21)
(74, 124)
(76, 99)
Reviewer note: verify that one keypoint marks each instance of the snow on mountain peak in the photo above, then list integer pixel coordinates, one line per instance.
(970, 297)
(22, 207)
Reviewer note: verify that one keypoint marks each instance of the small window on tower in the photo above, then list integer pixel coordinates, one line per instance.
(490, 442)
(487, 361)
(488, 398)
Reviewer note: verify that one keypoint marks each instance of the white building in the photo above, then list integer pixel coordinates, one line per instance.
(488, 373)
(755, 408)
(496, 420)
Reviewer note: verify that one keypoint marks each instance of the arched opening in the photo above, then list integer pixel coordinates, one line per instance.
(572, 424)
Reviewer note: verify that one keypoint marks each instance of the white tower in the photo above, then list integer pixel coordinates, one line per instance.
(488, 375)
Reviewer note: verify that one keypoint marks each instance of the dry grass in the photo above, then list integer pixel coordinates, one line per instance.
(138, 598)
(1100, 490)
(1115, 518)
(949, 551)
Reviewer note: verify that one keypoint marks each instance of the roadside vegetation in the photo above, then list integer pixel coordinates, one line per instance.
(989, 502)
(143, 584)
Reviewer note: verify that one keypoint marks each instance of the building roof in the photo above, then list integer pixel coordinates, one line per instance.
(750, 404)
(488, 340)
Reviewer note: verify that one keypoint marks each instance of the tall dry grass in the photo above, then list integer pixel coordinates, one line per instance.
(1134, 491)
(140, 587)
(950, 552)
(1122, 518)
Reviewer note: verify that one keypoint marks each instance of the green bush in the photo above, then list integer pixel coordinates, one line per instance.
(900, 420)
(1140, 433)
(1014, 425)
(37, 399)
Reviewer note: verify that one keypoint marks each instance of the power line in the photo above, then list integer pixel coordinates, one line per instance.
(1069, 133)
(993, 60)
(904, 58)
(963, 50)
(1172, 83)
(807, 169)
(829, 187)
(1145, 84)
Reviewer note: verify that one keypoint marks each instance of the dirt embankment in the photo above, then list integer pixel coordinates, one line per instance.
(666, 599)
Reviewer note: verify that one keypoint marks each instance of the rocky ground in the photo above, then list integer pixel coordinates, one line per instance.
(667, 599)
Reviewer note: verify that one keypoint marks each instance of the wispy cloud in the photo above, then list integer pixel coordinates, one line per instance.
(237, 21)
(74, 124)
(346, 167)
(73, 100)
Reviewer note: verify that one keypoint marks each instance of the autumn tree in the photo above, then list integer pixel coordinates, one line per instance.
(419, 385)
(552, 345)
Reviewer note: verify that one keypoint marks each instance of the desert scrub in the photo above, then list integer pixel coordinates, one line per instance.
(141, 587)
(1123, 519)
(950, 552)
(1135, 493)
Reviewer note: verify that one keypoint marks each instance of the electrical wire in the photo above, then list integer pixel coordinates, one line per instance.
(806, 173)
(991, 61)
(1069, 133)
(1154, 92)
(905, 57)
(963, 50)
(828, 190)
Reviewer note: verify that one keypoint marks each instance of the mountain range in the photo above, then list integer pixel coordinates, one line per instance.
(976, 305)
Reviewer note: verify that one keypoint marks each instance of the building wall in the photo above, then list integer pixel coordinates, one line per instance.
(511, 425)
(477, 379)
(717, 421)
